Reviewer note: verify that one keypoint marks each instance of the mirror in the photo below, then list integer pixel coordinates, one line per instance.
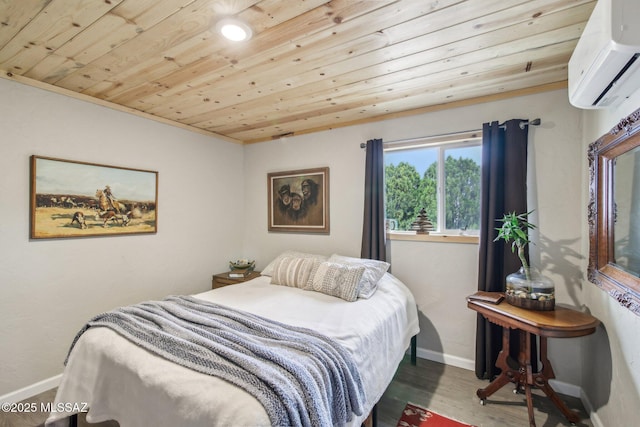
(626, 225)
(614, 212)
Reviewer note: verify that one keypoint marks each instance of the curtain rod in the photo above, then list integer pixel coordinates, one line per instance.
(523, 123)
(534, 122)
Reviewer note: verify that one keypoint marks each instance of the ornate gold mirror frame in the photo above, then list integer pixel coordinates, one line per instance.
(623, 285)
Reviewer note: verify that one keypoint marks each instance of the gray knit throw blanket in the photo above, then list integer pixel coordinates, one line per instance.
(302, 378)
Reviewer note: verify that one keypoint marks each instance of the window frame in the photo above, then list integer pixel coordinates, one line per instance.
(472, 138)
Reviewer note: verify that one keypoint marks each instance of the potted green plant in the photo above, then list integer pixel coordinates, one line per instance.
(525, 288)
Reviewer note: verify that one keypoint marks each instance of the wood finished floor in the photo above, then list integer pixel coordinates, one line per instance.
(444, 389)
(451, 391)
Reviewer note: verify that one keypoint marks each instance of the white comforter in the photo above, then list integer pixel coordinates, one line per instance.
(121, 381)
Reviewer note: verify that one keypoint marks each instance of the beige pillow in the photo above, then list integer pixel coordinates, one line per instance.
(374, 270)
(293, 271)
(337, 280)
(268, 270)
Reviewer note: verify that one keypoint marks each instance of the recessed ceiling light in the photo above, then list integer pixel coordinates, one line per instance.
(234, 30)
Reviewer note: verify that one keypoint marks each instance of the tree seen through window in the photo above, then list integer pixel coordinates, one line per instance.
(412, 181)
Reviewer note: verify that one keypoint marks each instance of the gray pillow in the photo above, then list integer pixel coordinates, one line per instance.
(337, 280)
(374, 270)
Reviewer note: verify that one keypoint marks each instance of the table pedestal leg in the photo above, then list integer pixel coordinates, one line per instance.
(526, 372)
(541, 381)
(524, 378)
(507, 374)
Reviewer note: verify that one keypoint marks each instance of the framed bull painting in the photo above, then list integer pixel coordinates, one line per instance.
(299, 201)
(79, 199)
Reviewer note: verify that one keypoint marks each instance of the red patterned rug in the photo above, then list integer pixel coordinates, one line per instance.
(415, 416)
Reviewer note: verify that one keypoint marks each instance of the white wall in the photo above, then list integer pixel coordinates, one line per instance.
(611, 373)
(440, 275)
(213, 207)
(340, 150)
(49, 288)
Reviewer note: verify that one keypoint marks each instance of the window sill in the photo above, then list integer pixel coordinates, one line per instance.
(441, 238)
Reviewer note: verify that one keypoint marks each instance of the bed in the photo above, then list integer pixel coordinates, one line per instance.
(118, 380)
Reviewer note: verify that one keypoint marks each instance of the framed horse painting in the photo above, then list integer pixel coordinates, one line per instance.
(78, 199)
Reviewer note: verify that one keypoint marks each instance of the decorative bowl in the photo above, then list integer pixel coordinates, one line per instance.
(242, 264)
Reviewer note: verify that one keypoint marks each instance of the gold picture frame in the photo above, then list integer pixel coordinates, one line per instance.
(298, 201)
(78, 199)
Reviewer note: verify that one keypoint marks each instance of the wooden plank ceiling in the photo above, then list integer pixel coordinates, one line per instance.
(311, 64)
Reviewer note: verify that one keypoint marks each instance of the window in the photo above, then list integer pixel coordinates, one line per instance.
(440, 174)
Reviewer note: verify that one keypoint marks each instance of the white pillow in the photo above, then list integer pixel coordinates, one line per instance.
(374, 270)
(337, 280)
(293, 271)
(268, 270)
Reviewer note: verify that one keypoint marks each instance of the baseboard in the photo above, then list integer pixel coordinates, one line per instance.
(456, 361)
(593, 415)
(31, 390)
(566, 388)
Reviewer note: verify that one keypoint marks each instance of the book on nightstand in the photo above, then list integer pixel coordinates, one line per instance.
(238, 274)
(492, 297)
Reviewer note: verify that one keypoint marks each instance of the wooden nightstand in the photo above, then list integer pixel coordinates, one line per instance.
(223, 279)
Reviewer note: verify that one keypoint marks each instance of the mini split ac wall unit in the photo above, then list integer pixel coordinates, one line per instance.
(604, 69)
